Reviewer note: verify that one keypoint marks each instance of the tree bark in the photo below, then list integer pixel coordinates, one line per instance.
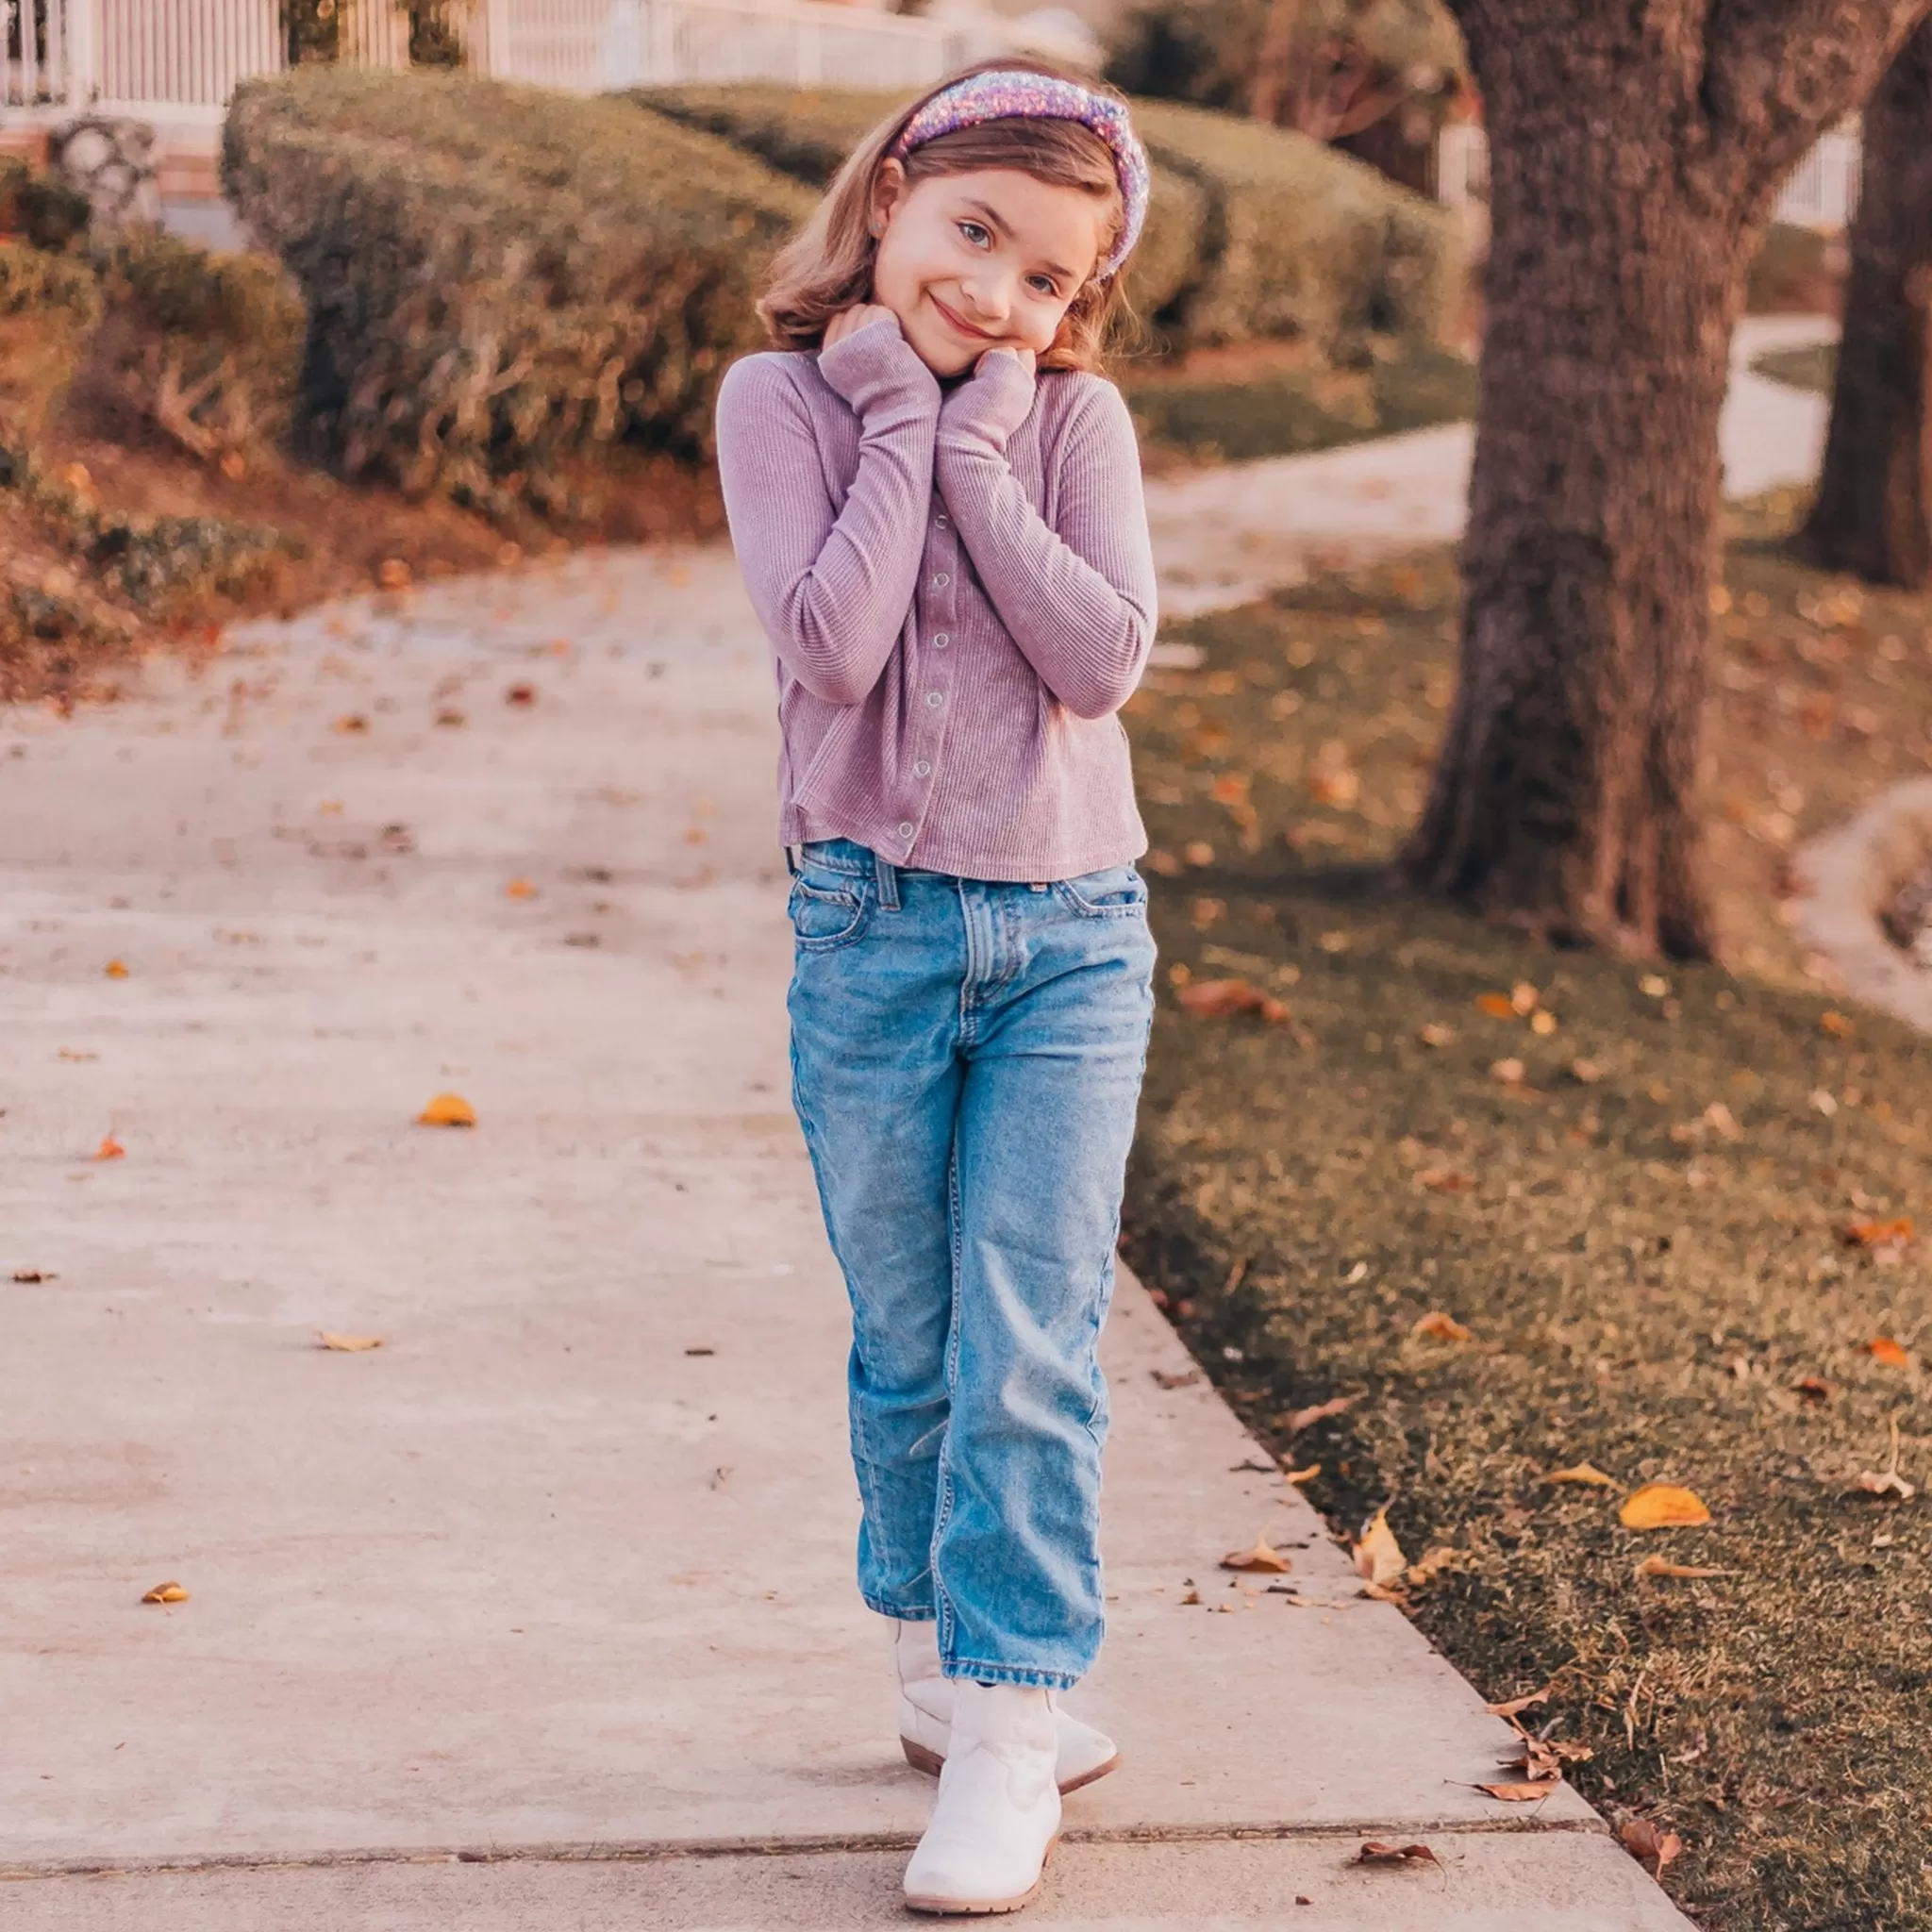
(1872, 514)
(1634, 157)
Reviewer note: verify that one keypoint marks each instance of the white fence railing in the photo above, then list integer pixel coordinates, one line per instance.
(1823, 192)
(179, 59)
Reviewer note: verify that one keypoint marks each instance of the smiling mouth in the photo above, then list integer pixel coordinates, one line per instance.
(964, 328)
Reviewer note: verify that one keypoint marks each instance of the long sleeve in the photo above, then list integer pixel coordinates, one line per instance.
(831, 590)
(1079, 601)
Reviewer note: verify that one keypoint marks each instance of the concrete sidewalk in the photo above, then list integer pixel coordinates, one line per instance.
(1226, 536)
(531, 1616)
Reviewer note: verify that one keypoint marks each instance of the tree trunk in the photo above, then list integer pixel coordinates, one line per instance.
(1634, 155)
(1873, 510)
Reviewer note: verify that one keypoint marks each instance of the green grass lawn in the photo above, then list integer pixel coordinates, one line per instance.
(1808, 368)
(1221, 409)
(1638, 1205)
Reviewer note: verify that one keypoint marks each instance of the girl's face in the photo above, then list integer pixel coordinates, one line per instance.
(983, 260)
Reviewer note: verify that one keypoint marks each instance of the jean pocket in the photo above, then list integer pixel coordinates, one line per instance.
(825, 916)
(1116, 891)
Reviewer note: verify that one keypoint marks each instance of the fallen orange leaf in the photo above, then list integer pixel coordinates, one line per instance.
(110, 1149)
(1879, 1234)
(1373, 1852)
(1660, 1566)
(1497, 1004)
(115, 969)
(1378, 1557)
(1662, 1505)
(1513, 1704)
(1302, 1475)
(1217, 999)
(1646, 1842)
(520, 889)
(447, 1111)
(1581, 1472)
(1522, 1794)
(1443, 1326)
(346, 1344)
(1264, 1556)
(169, 1593)
(1320, 1412)
(1446, 1180)
(1836, 1025)
(353, 722)
(1883, 1348)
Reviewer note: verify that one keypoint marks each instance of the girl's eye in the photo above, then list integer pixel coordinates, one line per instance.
(975, 233)
(1044, 284)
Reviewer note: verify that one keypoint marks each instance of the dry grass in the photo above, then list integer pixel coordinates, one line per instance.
(1650, 1252)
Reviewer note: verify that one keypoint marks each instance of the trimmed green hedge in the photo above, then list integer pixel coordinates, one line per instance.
(1312, 242)
(49, 305)
(216, 347)
(1251, 231)
(500, 278)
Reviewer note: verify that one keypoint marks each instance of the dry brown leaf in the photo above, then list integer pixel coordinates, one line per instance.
(1813, 1388)
(450, 718)
(351, 722)
(1217, 999)
(1581, 1472)
(1835, 1024)
(447, 1111)
(1646, 1842)
(1191, 1596)
(1303, 1418)
(1662, 1505)
(1302, 1475)
(1445, 1327)
(1432, 1563)
(1378, 1557)
(346, 1344)
(1884, 1349)
(1496, 1005)
(1522, 1794)
(392, 574)
(1374, 1852)
(115, 969)
(1721, 1119)
(1511, 1706)
(1878, 1234)
(520, 694)
(520, 889)
(169, 1592)
(1176, 1378)
(1264, 1556)
(1447, 1180)
(110, 1149)
(1660, 1566)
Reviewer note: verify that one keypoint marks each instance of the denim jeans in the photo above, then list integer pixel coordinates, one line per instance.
(966, 1065)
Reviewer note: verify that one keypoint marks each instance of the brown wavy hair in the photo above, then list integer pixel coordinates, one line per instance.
(827, 265)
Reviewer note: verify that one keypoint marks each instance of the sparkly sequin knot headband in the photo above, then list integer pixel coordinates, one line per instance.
(1014, 94)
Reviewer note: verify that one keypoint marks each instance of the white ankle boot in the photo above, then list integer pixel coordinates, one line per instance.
(926, 1715)
(998, 1810)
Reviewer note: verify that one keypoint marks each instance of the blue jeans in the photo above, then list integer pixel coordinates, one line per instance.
(966, 1065)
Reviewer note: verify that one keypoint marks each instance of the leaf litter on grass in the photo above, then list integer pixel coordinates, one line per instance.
(1655, 1302)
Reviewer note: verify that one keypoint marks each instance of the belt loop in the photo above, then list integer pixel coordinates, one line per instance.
(793, 854)
(888, 875)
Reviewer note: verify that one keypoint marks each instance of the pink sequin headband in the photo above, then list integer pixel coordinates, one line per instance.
(1012, 94)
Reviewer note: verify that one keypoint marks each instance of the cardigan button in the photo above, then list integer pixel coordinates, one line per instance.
(904, 828)
(922, 770)
(935, 698)
(940, 638)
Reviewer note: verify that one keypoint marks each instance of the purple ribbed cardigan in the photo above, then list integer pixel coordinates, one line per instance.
(960, 589)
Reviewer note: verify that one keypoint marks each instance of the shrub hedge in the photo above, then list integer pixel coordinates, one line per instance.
(49, 305)
(499, 278)
(216, 343)
(1311, 243)
(1251, 231)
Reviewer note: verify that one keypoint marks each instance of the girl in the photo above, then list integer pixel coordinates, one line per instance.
(936, 502)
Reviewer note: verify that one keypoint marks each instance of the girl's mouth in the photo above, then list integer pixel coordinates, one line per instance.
(965, 328)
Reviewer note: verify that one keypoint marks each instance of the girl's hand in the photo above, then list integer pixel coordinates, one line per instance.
(1026, 357)
(849, 320)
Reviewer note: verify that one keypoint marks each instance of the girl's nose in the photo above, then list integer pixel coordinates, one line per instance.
(988, 297)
